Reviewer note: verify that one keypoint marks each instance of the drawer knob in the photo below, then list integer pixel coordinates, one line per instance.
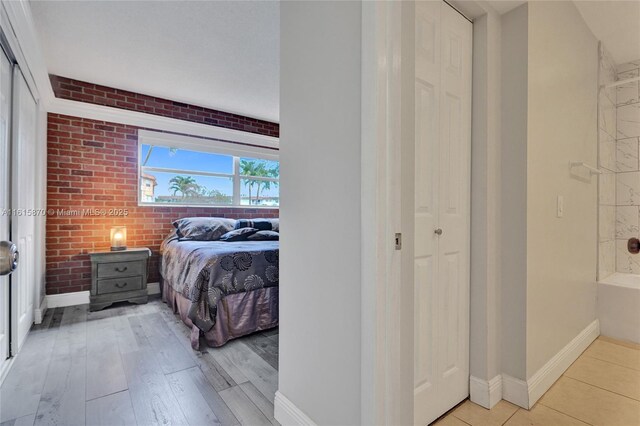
(123, 285)
(124, 268)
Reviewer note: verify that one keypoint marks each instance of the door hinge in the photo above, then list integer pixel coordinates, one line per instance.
(398, 241)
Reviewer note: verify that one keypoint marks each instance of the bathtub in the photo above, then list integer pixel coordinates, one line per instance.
(619, 306)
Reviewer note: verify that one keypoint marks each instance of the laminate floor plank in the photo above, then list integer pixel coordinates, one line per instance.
(133, 364)
(105, 374)
(63, 396)
(263, 404)
(171, 355)
(245, 410)
(21, 421)
(194, 406)
(264, 346)
(252, 366)
(151, 396)
(22, 388)
(111, 410)
(213, 371)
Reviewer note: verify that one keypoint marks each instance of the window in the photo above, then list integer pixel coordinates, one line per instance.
(181, 170)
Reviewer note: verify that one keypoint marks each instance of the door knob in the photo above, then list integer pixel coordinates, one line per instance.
(9, 257)
(438, 231)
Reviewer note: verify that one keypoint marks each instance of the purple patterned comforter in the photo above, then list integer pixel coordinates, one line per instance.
(206, 271)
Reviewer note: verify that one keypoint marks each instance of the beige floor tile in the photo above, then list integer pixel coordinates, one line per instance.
(620, 342)
(476, 415)
(614, 353)
(542, 416)
(450, 420)
(606, 375)
(590, 404)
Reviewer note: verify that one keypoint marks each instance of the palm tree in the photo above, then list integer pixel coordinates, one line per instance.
(186, 185)
(250, 168)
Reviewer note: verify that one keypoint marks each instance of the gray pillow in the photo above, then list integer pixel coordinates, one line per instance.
(238, 234)
(264, 236)
(203, 228)
(261, 224)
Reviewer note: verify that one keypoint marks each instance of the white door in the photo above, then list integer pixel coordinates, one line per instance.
(5, 124)
(23, 198)
(442, 209)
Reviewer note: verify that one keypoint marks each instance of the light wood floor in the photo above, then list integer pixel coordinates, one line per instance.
(133, 364)
(601, 388)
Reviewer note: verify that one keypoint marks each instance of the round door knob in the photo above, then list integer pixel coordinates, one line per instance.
(438, 231)
(8, 257)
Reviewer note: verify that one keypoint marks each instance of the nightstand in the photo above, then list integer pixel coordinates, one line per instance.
(118, 276)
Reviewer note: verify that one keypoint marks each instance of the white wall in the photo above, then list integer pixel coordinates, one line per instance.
(562, 127)
(514, 190)
(485, 199)
(320, 249)
(549, 118)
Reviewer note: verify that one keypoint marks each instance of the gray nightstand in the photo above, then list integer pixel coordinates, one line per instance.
(118, 276)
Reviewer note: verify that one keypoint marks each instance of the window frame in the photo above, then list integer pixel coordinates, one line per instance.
(235, 150)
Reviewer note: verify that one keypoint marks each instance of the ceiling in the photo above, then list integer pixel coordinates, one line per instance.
(215, 54)
(616, 24)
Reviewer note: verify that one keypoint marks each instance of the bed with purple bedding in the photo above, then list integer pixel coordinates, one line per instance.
(221, 290)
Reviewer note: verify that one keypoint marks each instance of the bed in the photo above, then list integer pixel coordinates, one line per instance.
(222, 290)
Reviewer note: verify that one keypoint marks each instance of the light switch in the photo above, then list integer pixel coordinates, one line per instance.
(560, 212)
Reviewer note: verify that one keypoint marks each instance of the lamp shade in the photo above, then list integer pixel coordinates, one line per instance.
(118, 238)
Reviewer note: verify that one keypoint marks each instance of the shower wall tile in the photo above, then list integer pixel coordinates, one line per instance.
(607, 151)
(627, 155)
(625, 261)
(607, 223)
(607, 116)
(607, 192)
(628, 188)
(606, 259)
(607, 74)
(626, 222)
(628, 121)
(627, 93)
(628, 66)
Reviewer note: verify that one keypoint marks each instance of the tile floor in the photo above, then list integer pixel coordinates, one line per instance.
(602, 388)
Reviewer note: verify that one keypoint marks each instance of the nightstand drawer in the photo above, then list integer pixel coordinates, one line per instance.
(120, 269)
(117, 285)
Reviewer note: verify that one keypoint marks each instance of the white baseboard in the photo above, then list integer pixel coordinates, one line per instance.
(67, 299)
(38, 313)
(82, 297)
(153, 288)
(515, 391)
(485, 393)
(287, 414)
(526, 394)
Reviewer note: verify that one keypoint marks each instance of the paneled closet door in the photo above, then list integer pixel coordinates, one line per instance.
(5, 125)
(442, 215)
(23, 198)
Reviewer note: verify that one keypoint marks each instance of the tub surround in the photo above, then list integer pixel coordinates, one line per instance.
(627, 167)
(608, 163)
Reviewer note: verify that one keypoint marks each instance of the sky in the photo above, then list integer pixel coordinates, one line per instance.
(192, 160)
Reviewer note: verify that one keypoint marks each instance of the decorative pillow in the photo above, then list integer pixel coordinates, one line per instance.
(264, 236)
(238, 234)
(260, 224)
(203, 228)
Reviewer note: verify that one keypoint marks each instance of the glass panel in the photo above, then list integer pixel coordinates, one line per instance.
(255, 192)
(185, 188)
(175, 158)
(257, 167)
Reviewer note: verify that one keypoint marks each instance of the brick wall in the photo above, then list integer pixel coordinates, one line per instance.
(93, 165)
(67, 88)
